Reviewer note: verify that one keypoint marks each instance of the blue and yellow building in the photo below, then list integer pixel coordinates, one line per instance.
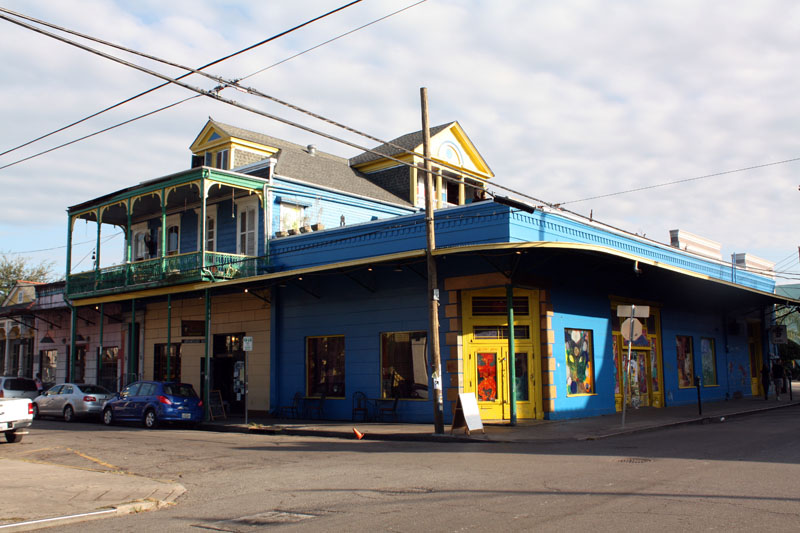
(320, 261)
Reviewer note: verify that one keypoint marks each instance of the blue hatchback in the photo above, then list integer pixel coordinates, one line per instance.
(152, 402)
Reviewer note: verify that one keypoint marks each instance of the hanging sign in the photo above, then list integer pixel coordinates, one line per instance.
(247, 344)
(466, 414)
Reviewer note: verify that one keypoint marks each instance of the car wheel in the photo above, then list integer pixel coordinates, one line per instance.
(108, 417)
(150, 420)
(13, 436)
(69, 414)
(35, 411)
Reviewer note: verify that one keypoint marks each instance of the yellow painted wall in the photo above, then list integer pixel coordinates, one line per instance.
(232, 313)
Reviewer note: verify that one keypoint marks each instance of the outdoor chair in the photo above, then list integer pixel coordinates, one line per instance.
(360, 406)
(293, 410)
(389, 410)
(315, 404)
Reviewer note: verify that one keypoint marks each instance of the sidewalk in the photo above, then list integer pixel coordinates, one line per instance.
(598, 427)
(89, 494)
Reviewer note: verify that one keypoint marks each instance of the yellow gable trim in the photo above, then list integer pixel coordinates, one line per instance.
(469, 149)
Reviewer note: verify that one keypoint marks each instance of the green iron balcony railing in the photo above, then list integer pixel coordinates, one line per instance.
(161, 272)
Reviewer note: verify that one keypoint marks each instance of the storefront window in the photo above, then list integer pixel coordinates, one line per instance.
(709, 360)
(685, 360)
(325, 366)
(160, 362)
(404, 365)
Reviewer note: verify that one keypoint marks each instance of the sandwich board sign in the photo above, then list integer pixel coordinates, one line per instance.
(466, 414)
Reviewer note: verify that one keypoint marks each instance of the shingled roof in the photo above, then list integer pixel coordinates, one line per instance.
(320, 168)
(409, 141)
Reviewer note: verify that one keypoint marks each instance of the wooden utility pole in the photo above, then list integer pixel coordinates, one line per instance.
(433, 284)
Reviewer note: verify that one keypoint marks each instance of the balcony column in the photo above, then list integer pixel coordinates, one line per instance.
(128, 246)
(207, 380)
(69, 253)
(163, 232)
(72, 328)
(97, 249)
(203, 225)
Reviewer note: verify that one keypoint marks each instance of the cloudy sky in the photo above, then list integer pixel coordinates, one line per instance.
(566, 100)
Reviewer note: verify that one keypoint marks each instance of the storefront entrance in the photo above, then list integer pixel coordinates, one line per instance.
(487, 365)
(756, 358)
(645, 388)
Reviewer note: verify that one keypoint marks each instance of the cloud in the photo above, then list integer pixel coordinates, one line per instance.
(565, 100)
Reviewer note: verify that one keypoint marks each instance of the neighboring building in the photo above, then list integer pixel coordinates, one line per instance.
(320, 261)
(17, 330)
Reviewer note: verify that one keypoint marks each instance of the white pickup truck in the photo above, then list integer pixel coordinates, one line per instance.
(15, 415)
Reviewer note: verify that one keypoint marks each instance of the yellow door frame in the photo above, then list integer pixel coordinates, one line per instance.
(497, 344)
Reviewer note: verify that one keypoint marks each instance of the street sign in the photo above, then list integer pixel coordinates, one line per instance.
(247, 344)
(625, 329)
(778, 334)
(638, 311)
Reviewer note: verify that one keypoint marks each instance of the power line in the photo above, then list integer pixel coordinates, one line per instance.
(118, 104)
(716, 174)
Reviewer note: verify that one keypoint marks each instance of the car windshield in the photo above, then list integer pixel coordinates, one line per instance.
(94, 389)
(183, 390)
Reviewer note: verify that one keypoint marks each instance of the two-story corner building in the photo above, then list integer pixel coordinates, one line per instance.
(351, 317)
(193, 240)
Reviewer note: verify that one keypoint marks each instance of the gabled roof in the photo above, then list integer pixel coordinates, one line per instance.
(297, 162)
(409, 141)
(413, 142)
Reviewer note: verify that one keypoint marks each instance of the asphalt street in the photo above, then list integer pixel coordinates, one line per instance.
(738, 475)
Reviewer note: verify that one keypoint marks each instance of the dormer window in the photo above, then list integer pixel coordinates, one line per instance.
(222, 159)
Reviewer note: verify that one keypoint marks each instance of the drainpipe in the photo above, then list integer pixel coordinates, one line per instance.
(69, 252)
(131, 342)
(512, 367)
(128, 246)
(73, 325)
(97, 251)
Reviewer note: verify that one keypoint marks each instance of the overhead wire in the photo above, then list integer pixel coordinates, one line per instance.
(118, 104)
(234, 83)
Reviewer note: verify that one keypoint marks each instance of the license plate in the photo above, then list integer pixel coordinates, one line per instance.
(186, 415)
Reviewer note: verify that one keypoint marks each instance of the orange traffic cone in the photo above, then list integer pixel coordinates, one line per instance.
(358, 434)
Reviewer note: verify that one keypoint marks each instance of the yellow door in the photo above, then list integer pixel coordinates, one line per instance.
(486, 356)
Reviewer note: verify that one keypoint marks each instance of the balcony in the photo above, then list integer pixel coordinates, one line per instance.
(164, 272)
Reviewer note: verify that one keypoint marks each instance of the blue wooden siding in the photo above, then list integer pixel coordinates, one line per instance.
(346, 308)
(327, 207)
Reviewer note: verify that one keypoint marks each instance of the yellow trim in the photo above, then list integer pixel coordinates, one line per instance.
(382, 164)
(190, 287)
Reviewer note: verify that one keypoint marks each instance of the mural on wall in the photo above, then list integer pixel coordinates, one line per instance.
(615, 350)
(580, 361)
(709, 360)
(685, 356)
(487, 377)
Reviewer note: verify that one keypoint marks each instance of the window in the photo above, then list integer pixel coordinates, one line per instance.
(292, 216)
(108, 368)
(19, 297)
(222, 159)
(80, 364)
(143, 246)
(160, 365)
(497, 306)
(709, 361)
(500, 332)
(404, 365)
(209, 160)
(247, 220)
(685, 360)
(580, 361)
(173, 240)
(325, 366)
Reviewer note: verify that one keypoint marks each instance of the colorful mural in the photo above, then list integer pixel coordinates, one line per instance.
(685, 360)
(487, 377)
(580, 361)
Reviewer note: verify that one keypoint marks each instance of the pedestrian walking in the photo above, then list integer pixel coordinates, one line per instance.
(777, 377)
(765, 380)
(39, 384)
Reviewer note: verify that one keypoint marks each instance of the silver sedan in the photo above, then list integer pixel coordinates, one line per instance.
(70, 400)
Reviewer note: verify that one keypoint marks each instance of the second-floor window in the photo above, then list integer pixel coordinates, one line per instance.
(292, 216)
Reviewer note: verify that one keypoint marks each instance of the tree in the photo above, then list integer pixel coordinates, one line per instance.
(15, 268)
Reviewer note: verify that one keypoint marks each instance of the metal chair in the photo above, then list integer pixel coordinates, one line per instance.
(293, 410)
(360, 406)
(389, 410)
(315, 404)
